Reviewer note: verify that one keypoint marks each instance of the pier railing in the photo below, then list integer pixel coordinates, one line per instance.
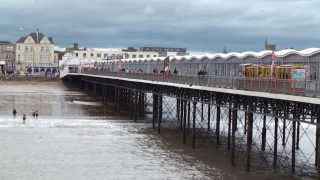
(292, 87)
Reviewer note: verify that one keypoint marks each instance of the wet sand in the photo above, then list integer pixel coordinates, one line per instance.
(76, 137)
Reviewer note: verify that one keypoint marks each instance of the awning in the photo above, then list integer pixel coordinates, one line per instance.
(2, 62)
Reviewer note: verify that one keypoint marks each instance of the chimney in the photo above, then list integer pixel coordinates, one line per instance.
(76, 46)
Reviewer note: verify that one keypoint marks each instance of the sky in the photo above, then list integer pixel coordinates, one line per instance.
(199, 25)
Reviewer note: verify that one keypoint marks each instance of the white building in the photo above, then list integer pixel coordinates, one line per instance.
(35, 54)
(97, 53)
(109, 53)
(140, 54)
(132, 53)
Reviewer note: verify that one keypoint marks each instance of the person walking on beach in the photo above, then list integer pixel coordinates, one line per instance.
(24, 118)
(14, 113)
(36, 114)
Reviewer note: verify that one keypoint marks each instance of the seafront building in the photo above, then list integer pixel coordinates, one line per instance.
(93, 53)
(165, 51)
(35, 55)
(7, 57)
(109, 53)
(133, 53)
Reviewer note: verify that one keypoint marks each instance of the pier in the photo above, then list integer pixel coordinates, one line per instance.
(260, 130)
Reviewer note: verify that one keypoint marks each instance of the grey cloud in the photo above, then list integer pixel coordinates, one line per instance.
(198, 25)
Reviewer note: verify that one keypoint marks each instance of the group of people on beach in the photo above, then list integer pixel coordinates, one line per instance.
(34, 114)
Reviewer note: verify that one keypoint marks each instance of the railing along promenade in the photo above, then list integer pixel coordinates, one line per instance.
(292, 87)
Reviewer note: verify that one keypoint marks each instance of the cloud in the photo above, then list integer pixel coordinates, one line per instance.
(198, 25)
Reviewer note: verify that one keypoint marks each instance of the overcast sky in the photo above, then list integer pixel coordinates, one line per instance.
(199, 25)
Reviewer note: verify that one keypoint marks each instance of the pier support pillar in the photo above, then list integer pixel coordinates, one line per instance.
(249, 137)
(264, 133)
(218, 124)
(284, 126)
(181, 113)
(159, 112)
(154, 110)
(293, 148)
(184, 122)
(245, 122)
(317, 159)
(194, 124)
(131, 104)
(136, 106)
(298, 135)
(229, 128)
(178, 111)
(233, 143)
(189, 116)
(115, 99)
(209, 116)
(202, 115)
(275, 145)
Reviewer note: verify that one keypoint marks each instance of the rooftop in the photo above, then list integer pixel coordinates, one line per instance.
(36, 36)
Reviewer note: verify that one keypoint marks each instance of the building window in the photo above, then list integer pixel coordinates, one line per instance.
(92, 54)
(77, 54)
(134, 56)
(99, 55)
(148, 55)
(140, 55)
(105, 56)
(84, 55)
(154, 55)
(26, 48)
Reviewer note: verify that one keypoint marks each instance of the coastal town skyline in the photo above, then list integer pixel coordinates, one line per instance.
(199, 26)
